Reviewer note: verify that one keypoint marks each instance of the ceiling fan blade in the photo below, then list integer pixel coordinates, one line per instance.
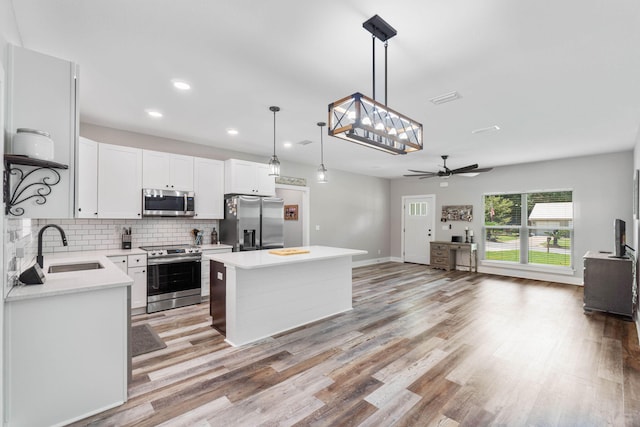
(416, 171)
(465, 169)
(428, 176)
(483, 170)
(423, 175)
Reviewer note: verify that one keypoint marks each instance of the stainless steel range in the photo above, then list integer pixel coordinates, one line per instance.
(173, 276)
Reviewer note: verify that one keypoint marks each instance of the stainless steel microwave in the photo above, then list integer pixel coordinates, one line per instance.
(168, 203)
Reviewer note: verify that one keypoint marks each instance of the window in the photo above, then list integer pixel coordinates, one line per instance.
(418, 209)
(529, 228)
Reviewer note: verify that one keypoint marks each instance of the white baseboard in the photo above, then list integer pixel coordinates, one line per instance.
(534, 275)
(373, 261)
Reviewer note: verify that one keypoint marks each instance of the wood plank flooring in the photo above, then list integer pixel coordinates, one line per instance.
(421, 347)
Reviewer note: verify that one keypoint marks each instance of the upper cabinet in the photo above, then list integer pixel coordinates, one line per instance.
(208, 180)
(87, 179)
(243, 177)
(42, 93)
(119, 181)
(167, 171)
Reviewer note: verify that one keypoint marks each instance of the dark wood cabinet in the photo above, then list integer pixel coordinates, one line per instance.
(218, 296)
(608, 284)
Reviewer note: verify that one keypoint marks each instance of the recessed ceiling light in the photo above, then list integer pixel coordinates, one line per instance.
(181, 84)
(287, 145)
(447, 97)
(493, 128)
(232, 131)
(154, 113)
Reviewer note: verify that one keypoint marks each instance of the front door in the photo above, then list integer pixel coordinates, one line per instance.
(418, 227)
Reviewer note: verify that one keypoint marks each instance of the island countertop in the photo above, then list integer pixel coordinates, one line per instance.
(260, 259)
(73, 281)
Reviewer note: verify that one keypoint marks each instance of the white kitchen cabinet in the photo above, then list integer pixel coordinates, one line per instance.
(119, 181)
(208, 182)
(42, 93)
(87, 179)
(136, 267)
(243, 177)
(120, 262)
(167, 171)
(205, 275)
(139, 287)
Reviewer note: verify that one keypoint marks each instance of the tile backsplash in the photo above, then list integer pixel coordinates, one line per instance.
(102, 234)
(92, 234)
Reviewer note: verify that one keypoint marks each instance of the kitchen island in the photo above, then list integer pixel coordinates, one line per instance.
(67, 353)
(260, 294)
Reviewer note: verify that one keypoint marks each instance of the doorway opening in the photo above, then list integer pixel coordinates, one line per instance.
(296, 227)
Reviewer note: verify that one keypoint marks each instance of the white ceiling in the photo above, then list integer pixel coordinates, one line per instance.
(560, 78)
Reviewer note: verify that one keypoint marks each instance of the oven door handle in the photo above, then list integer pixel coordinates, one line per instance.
(172, 260)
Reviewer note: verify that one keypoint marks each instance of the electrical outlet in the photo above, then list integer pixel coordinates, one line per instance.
(317, 228)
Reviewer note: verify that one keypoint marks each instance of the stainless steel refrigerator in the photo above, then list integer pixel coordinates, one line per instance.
(252, 223)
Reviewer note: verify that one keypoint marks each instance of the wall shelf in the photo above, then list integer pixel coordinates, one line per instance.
(40, 179)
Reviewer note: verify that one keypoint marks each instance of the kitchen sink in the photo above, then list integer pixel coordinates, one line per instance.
(81, 266)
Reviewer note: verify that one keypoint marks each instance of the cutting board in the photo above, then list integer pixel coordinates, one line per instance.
(291, 251)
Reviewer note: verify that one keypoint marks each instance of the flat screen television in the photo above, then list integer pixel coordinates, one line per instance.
(620, 240)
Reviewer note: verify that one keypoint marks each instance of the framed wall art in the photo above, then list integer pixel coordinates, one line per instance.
(457, 213)
(290, 212)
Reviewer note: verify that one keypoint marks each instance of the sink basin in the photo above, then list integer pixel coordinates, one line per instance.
(81, 266)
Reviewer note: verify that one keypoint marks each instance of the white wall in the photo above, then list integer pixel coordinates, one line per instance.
(351, 211)
(8, 34)
(602, 191)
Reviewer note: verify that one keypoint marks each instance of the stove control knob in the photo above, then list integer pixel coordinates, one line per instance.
(153, 253)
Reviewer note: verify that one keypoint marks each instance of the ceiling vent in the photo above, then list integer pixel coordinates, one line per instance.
(493, 128)
(305, 142)
(447, 97)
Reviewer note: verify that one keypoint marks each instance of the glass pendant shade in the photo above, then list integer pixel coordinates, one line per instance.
(274, 163)
(274, 166)
(322, 175)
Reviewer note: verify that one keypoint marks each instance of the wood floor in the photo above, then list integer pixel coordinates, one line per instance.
(421, 347)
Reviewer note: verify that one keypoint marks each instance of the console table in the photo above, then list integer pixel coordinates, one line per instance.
(443, 254)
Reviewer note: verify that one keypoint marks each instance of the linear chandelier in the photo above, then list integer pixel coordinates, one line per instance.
(363, 120)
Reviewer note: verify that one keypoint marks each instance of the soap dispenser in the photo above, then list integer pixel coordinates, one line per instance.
(214, 237)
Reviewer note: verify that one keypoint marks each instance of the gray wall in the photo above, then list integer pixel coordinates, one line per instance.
(352, 211)
(602, 191)
(292, 228)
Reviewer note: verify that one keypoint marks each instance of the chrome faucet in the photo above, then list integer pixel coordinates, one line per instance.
(39, 258)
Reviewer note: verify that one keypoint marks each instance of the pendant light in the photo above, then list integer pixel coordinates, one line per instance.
(274, 163)
(322, 171)
(365, 121)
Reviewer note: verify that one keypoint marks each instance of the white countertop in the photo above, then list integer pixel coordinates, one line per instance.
(260, 259)
(74, 281)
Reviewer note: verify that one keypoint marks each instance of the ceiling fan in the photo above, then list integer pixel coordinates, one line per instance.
(471, 169)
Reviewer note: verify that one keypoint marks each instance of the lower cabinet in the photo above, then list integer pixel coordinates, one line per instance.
(139, 288)
(608, 284)
(136, 267)
(218, 304)
(441, 257)
(65, 356)
(205, 268)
